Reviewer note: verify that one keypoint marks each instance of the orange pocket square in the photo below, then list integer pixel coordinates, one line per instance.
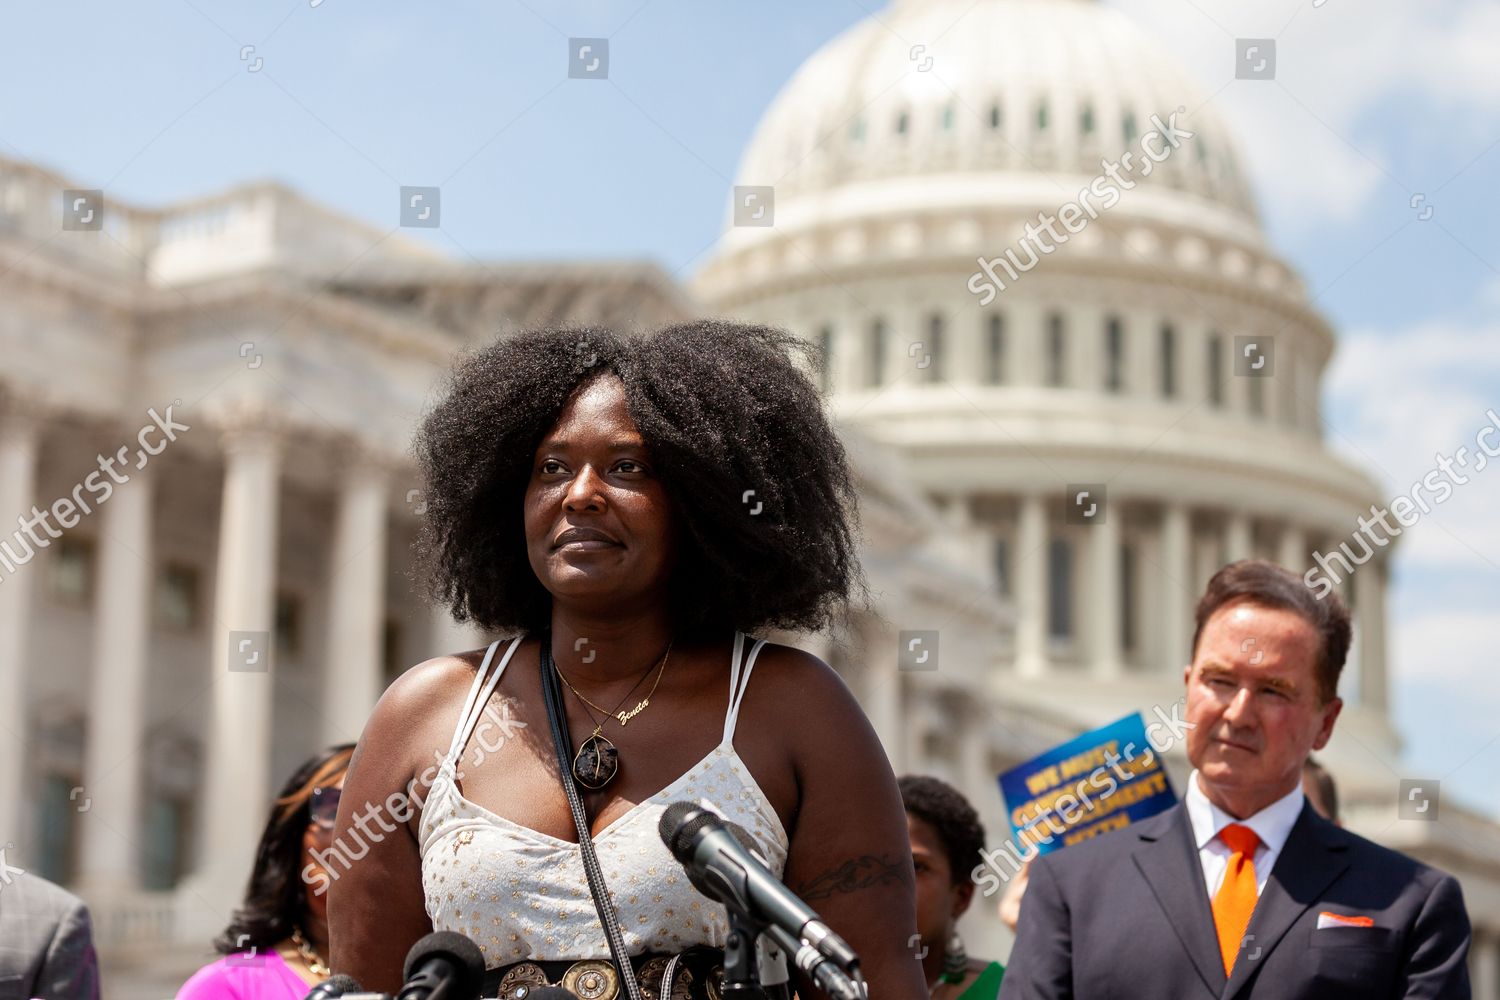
(1327, 919)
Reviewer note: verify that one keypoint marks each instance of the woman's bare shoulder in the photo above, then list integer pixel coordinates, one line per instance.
(784, 669)
(420, 711)
(431, 683)
(799, 692)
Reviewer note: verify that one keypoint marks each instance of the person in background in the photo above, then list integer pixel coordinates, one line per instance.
(1317, 785)
(1242, 889)
(46, 944)
(946, 841)
(276, 944)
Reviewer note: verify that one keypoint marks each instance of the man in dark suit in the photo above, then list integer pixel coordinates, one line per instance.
(46, 946)
(1242, 890)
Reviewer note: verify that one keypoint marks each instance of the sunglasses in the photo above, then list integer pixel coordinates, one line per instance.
(324, 806)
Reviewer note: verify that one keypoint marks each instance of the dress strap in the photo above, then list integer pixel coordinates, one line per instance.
(739, 680)
(477, 699)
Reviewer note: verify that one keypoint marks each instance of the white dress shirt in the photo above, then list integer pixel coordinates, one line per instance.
(1272, 825)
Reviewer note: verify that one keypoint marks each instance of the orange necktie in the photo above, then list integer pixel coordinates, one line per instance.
(1235, 900)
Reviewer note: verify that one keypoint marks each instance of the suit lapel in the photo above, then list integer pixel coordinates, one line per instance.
(1311, 861)
(1168, 858)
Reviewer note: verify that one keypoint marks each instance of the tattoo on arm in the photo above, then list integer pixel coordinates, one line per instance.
(860, 873)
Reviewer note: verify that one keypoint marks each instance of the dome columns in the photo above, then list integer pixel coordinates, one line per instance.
(1030, 561)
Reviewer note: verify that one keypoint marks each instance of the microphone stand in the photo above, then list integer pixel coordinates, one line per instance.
(741, 967)
(824, 973)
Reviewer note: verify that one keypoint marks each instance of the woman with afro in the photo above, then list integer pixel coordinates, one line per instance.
(628, 511)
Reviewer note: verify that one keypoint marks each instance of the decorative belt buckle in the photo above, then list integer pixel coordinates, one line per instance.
(591, 980)
(518, 982)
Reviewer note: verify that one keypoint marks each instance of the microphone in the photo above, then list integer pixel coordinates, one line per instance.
(443, 966)
(545, 993)
(720, 867)
(334, 986)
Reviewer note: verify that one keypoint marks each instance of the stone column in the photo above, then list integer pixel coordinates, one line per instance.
(1237, 387)
(18, 468)
(966, 334)
(971, 544)
(1208, 558)
(916, 722)
(1025, 341)
(884, 684)
(113, 764)
(1369, 616)
(845, 371)
(1238, 541)
(1179, 595)
(1283, 388)
(974, 753)
(1029, 562)
(1192, 363)
(1102, 612)
(237, 778)
(1143, 356)
(354, 675)
(905, 326)
(1291, 550)
(1086, 358)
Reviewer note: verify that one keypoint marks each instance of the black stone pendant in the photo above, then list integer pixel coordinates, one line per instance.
(597, 762)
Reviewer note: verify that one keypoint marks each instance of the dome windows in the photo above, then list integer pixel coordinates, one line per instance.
(1216, 371)
(1056, 351)
(1114, 354)
(994, 367)
(1168, 361)
(875, 360)
(1060, 589)
(930, 367)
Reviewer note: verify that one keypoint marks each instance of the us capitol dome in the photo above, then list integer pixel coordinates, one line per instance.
(1096, 423)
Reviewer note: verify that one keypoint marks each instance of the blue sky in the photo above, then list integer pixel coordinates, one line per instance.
(1374, 102)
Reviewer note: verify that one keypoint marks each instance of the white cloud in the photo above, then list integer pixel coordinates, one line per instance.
(1398, 399)
(1317, 141)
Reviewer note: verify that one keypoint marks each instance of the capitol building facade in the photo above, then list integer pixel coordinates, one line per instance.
(1060, 430)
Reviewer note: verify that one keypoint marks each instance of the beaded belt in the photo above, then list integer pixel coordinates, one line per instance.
(696, 974)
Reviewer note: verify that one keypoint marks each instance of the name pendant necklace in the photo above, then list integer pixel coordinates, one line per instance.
(598, 759)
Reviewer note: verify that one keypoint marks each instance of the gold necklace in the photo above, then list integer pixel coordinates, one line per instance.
(598, 760)
(309, 955)
(640, 706)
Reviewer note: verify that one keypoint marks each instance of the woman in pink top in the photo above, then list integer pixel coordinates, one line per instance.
(276, 944)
